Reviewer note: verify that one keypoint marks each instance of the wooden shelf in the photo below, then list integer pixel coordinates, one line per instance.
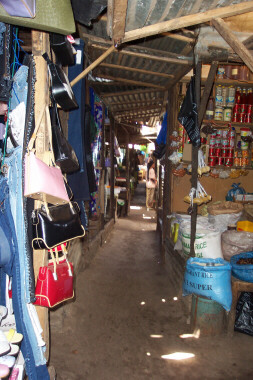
(234, 82)
(224, 124)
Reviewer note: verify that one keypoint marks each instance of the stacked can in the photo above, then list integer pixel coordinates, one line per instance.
(221, 148)
(224, 103)
(243, 108)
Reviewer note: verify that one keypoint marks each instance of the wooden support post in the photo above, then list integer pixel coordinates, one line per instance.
(119, 20)
(207, 91)
(160, 186)
(195, 150)
(128, 185)
(112, 176)
(238, 46)
(102, 175)
(40, 45)
(171, 124)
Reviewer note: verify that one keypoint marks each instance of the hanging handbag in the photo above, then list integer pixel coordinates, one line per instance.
(55, 282)
(64, 154)
(62, 49)
(60, 86)
(43, 182)
(20, 8)
(55, 225)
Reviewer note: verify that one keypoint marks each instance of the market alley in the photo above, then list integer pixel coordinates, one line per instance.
(127, 317)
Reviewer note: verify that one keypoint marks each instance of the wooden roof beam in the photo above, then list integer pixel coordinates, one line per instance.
(179, 37)
(130, 92)
(141, 71)
(172, 59)
(234, 42)
(130, 81)
(189, 20)
(137, 104)
(119, 20)
(136, 110)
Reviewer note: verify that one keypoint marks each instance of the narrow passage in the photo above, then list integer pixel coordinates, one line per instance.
(126, 317)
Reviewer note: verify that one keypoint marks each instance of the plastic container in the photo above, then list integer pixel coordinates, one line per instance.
(245, 225)
(243, 272)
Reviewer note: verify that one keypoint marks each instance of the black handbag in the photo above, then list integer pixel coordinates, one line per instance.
(60, 86)
(56, 225)
(62, 49)
(65, 156)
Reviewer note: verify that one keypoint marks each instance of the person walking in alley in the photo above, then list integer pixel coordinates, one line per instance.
(151, 183)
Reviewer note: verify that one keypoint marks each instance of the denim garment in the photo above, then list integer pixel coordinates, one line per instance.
(17, 305)
(7, 249)
(14, 177)
(19, 87)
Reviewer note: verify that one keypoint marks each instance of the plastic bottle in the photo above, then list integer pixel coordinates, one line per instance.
(238, 95)
(250, 96)
(243, 99)
(210, 109)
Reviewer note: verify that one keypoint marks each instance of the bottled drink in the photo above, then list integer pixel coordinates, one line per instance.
(243, 97)
(218, 96)
(250, 96)
(210, 109)
(238, 95)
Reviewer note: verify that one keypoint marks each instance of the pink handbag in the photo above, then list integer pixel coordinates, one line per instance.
(43, 182)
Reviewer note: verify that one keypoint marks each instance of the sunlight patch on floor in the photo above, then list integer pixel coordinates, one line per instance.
(156, 336)
(143, 303)
(175, 298)
(146, 217)
(163, 300)
(178, 356)
(135, 208)
(195, 335)
(148, 354)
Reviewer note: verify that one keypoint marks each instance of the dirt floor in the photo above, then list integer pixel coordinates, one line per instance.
(124, 318)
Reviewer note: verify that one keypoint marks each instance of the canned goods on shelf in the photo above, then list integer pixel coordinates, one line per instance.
(231, 134)
(219, 134)
(245, 132)
(249, 108)
(241, 117)
(227, 114)
(231, 143)
(218, 95)
(235, 118)
(224, 143)
(203, 140)
(218, 152)
(212, 142)
(237, 161)
(212, 161)
(228, 161)
(225, 133)
(245, 161)
(230, 152)
(220, 161)
(212, 151)
(218, 143)
(248, 118)
(218, 113)
(224, 152)
(243, 108)
(224, 96)
(244, 145)
(237, 108)
(213, 135)
(245, 153)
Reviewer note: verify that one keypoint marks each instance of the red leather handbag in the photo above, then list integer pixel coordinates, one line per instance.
(55, 282)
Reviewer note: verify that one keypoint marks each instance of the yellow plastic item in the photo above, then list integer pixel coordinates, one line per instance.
(245, 225)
